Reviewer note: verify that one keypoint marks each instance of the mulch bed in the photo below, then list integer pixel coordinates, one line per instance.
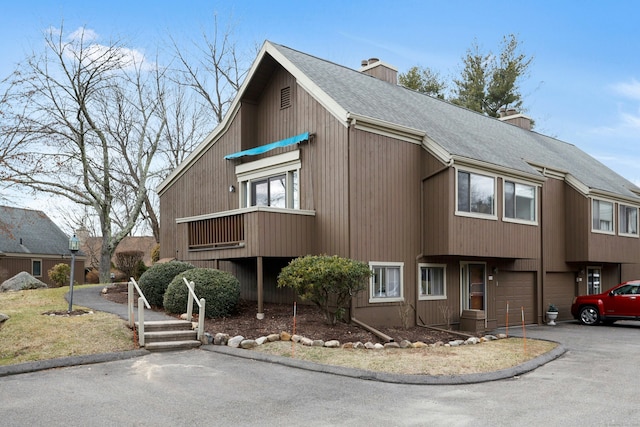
(309, 322)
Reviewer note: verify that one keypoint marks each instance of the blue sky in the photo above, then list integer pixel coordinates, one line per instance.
(584, 84)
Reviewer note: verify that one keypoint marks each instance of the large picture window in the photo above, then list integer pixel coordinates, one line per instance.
(476, 193)
(602, 216)
(519, 201)
(272, 181)
(385, 282)
(628, 220)
(432, 281)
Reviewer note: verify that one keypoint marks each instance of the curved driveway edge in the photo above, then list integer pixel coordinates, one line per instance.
(62, 362)
(523, 368)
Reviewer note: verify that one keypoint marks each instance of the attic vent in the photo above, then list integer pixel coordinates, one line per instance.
(285, 97)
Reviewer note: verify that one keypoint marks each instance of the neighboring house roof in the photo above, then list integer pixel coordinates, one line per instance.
(93, 245)
(24, 231)
(449, 131)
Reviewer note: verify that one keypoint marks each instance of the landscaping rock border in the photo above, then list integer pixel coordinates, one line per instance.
(239, 341)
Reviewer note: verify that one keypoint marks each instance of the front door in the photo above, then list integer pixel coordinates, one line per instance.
(473, 285)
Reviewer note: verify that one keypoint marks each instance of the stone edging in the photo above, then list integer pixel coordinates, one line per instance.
(239, 341)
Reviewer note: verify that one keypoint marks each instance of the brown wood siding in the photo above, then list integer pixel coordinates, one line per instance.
(630, 272)
(578, 225)
(450, 234)
(554, 224)
(492, 238)
(325, 180)
(559, 289)
(433, 312)
(385, 212)
(10, 266)
(437, 199)
(613, 248)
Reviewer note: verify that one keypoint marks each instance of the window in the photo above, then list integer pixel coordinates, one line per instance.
(602, 215)
(270, 191)
(432, 281)
(519, 201)
(628, 220)
(272, 181)
(386, 282)
(36, 268)
(476, 194)
(593, 280)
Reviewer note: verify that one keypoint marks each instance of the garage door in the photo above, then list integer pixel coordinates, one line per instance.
(519, 289)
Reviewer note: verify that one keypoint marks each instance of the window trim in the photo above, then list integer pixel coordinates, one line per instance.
(372, 297)
(625, 234)
(613, 215)
(33, 262)
(458, 212)
(282, 164)
(535, 202)
(422, 297)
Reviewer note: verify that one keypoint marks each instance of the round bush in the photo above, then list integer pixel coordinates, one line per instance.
(220, 289)
(155, 280)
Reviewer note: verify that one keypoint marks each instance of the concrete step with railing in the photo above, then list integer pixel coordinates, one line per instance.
(166, 335)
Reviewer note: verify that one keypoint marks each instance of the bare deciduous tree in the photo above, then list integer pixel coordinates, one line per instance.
(83, 121)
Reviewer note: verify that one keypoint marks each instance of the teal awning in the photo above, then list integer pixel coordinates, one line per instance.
(264, 148)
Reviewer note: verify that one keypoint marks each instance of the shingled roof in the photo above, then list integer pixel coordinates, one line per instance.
(450, 131)
(30, 232)
(460, 132)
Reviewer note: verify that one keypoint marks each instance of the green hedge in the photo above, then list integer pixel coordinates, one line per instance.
(220, 289)
(156, 279)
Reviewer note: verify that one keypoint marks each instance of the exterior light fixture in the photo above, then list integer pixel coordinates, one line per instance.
(74, 247)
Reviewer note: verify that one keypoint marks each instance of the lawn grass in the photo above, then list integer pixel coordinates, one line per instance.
(466, 359)
(29, 335)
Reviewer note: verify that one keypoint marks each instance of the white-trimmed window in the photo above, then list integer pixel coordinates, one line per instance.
(36, 268)
(385, 284)
(519, 201)
(432, 281)
(602, 216)
(272, 181)
(628, 220)
(476, 194)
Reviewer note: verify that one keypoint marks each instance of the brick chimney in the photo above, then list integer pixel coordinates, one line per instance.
(380, 70)
(512, 117)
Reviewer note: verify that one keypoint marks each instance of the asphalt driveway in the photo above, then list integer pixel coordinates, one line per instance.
(593, 383)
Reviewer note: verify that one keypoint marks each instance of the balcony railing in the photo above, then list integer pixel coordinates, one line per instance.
(216, 232)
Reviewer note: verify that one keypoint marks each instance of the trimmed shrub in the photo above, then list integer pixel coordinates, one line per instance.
(60, 274)
(156, 279)
(328, 281)
(220, 289)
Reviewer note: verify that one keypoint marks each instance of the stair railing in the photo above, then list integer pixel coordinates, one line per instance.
(201, 306)
(142, 303)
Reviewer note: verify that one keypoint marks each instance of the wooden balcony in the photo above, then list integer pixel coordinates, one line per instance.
(251, 232)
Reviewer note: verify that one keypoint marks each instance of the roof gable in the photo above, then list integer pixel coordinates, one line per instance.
(30, 232)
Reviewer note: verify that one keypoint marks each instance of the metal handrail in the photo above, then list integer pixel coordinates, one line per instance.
(201, 307)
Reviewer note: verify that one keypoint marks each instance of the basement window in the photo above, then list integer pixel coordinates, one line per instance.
(385, 284)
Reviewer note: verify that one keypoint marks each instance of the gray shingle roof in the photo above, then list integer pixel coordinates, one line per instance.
(459, 131)
(30, 232)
